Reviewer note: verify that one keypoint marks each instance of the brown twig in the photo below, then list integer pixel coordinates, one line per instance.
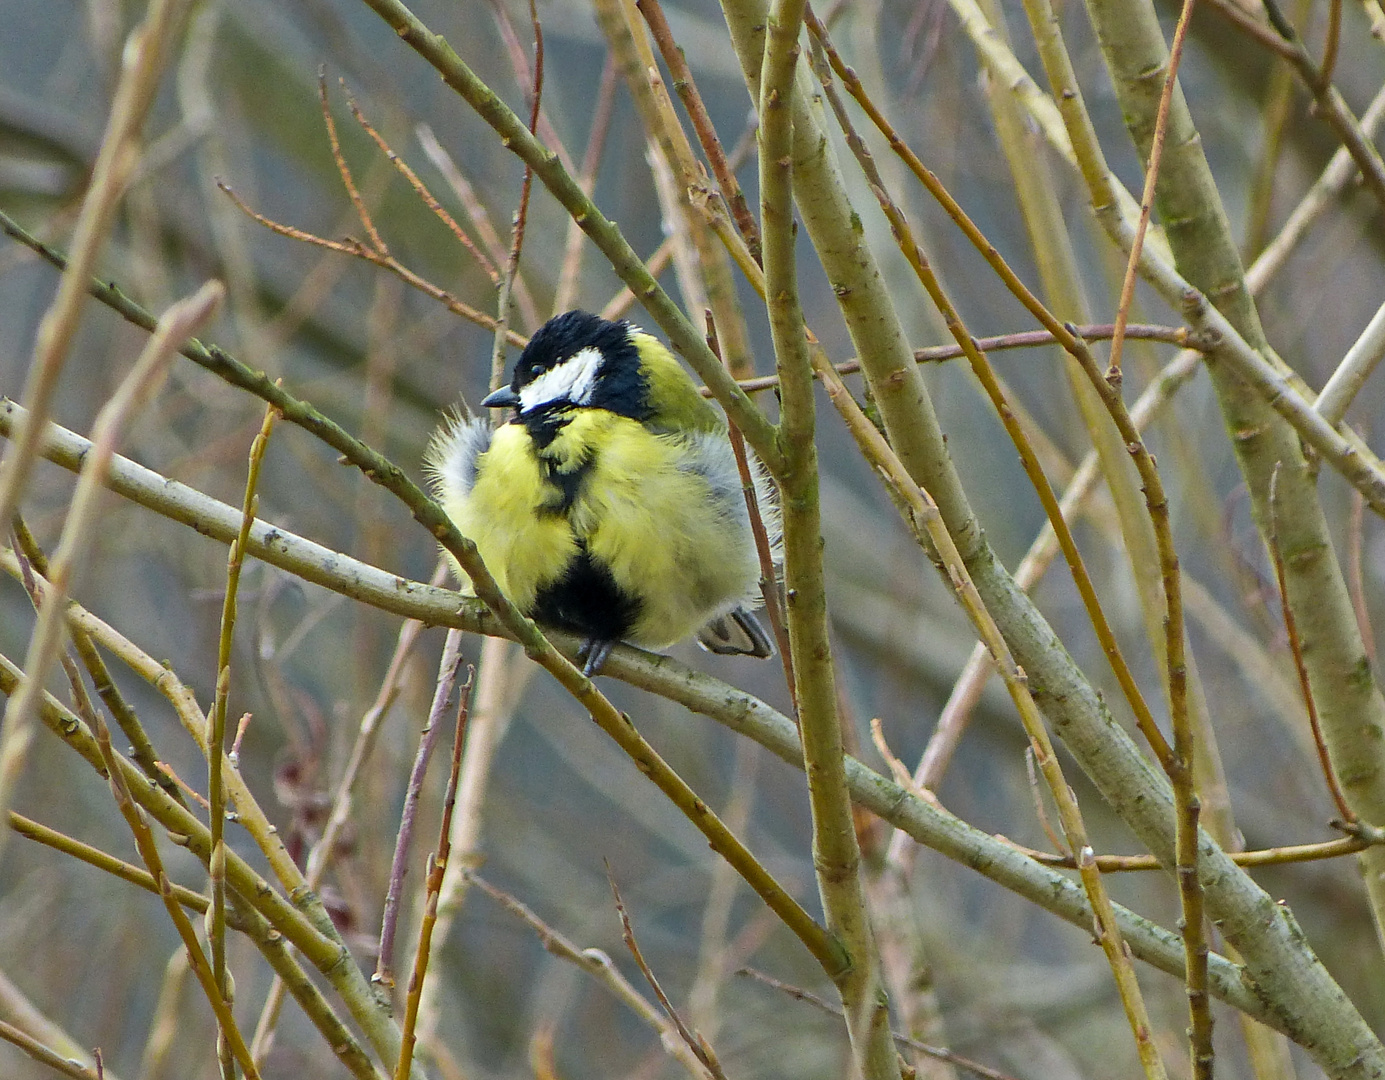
(809, 998)
(600, 966)
(769, 580)
(359, 250)
(399, 866)
(694, 1041)
(521, 213)
(686, 89)
(897, 768)
(1283, 39)
(1296, 649)
(519, 64)
(437, 864)
(1278, 856)
(1356, 574)
(344, 170)
(182, 785)
(476, 213)
(1024, 339)
(1156, 158)
(1040, 811)
(566, 292)
(420, 188)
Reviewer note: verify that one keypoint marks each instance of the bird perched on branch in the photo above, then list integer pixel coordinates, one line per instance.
(610, 504)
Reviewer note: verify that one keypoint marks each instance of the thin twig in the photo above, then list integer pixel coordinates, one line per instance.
(135, 875)
(182, 786)
(437, 864)
(507, 284)
(769, 580)
(1344, 810)
(478, 216)
(420, 188)
(1331, 41)
(216, 724)
(144, 841)
(686, 89)
(1277, 856)
(1030, 768)
(1156, 159)
(1022, 339)
(1356, 576)
(359, 250)
(1284, 40)
(602, 111)
(903, 1041)
(134, 393)
(344, 171)
(45, 1056)
(432, 728)
(694, 1042)
(600, 966)
(142, 62)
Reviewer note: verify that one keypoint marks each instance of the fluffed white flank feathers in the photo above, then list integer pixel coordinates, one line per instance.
(450, 462)
(573, 380)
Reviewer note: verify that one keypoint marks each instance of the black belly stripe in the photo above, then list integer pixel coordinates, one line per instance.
(586, 600)
(562, 480)
(562, 486)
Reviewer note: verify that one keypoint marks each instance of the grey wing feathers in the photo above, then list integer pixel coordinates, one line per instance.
(451, 458)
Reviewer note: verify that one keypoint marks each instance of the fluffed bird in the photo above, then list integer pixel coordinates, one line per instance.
(610, 504)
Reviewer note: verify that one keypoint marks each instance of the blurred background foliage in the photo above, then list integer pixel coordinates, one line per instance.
(1015, 987)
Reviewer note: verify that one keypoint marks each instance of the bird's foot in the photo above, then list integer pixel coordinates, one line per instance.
(594, 652)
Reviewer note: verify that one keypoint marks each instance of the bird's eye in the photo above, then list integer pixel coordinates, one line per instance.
(535, 370)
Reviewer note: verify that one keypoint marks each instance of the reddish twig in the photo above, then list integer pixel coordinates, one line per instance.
(1156, 158)
(901, 1040)
(695, 1042)
(702, 124)
(420, 189)
(1296, 649)
(1356, 573)
(437, 864)
(399, 867)
(769, 580)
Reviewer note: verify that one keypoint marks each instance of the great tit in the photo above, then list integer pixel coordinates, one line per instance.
(610, 504)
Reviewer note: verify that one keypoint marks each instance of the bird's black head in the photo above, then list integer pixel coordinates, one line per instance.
(577, 360)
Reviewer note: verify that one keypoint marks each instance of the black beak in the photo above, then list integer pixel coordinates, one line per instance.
(501, 398)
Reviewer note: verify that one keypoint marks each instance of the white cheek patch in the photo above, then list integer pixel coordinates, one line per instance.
(573, 380)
